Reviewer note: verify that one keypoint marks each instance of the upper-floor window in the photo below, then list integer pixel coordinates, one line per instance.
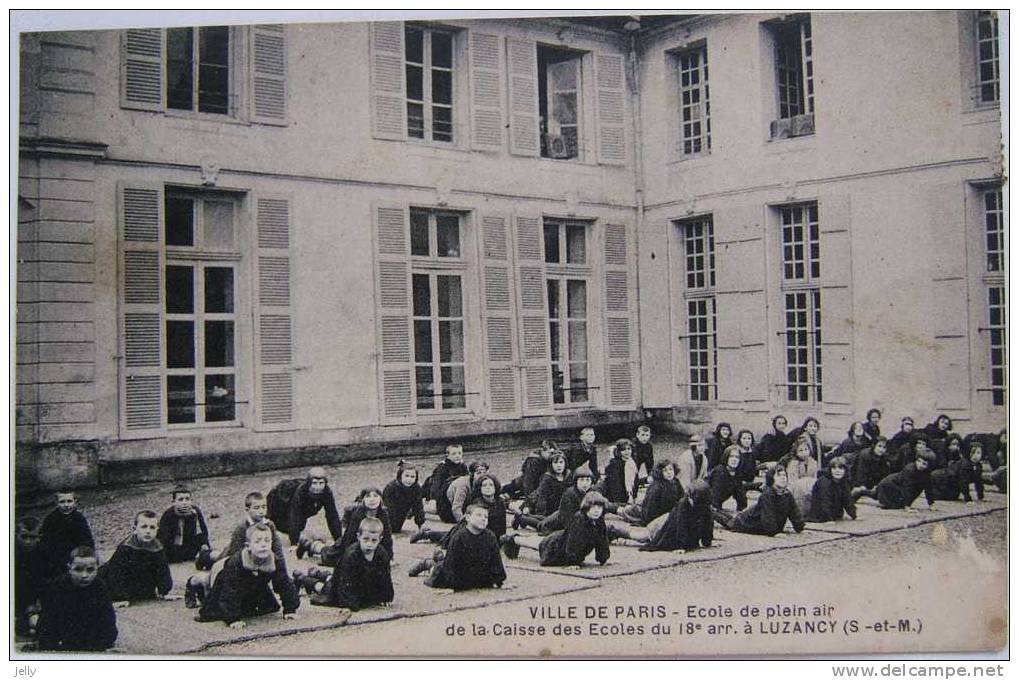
(988, 74)
(559, 102)
(994, 221)
(694, 104)
(429, 63)
(794, 78)
(198, 69)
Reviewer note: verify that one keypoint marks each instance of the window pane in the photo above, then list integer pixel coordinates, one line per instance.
(422, 295)
(578, 382)
(576, 244)
(448, 235)
(453, 387)
(218, 225)
(179, 68)
(180, 344)
(219, 290)
(442, 50)
(451, 341)
(552, 288)
(576, 299)
(578, 341)
(415, 120)
(564, 74)
(414, 44)
(553, 337)
(418, 233)
(415, 83)
(564, 108)
(425, 387)
(450, 297)
(423, 341)
(558, 395)
(551, 243)
(180, 290)
(219, 398)
(442, 87)
(219, 343)
(180, 399)
(442, 124)
(180, 221)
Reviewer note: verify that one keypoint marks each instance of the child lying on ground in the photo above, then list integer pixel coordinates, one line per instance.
(569, 546)
(569, 504)
(769, 514)
(138, 569)
(954, 480)
(900, 489)
(77, 614)
(688, 526)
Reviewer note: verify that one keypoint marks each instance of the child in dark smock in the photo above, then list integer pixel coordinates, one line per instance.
(769, 514)
(569, 546)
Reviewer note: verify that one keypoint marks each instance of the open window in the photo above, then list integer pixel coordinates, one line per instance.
(794, 78)
(559, 100)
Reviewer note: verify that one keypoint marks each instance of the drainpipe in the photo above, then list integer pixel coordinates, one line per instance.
(633, 82)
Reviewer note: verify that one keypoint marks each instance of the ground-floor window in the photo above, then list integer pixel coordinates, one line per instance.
(567, 331)
(803, 345)
(998, 342)
(703, 349)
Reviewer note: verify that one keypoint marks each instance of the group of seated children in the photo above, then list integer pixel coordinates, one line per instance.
(558, 504)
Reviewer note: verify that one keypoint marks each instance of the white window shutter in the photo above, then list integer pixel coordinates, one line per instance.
(610, 84)
(834, 216)
(268, 74)
(142, 75)
(486, 92)
(502, 376)
(619, 344)
(274, 335)
(388, 81)
(522, 58)
(140, 214)
(532, 310)
(393, 314)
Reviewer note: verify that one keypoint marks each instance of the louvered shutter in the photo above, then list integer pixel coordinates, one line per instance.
(388, 81)
(532, 311)
(502, 376)
(269, 74)
(522, 57)
(610, 83)
(140, 210)
(275, 388)
(393, 312)
(836, 305)
(619, 346)
(141, 69)
(486, 92)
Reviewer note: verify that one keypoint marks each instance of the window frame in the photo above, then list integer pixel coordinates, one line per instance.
(701, 343)
(811, 237)
(200, 258)
(455, 74)
(795, 33)
(997, 344)
(805, 288)
(979, 17)
(702, 89)
(997, 232)
(577, 58)
(433, 266)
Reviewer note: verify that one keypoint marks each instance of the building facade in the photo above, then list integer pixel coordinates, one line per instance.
(258, 241)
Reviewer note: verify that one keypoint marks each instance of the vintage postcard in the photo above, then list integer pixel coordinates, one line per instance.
(489, 335)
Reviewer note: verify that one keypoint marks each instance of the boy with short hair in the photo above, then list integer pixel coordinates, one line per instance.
(643, 451)
(182, 528)
(584, 452)
(138, 569)
(77, 614)
(293, 501)
(472, 559)
(28, 583)
(63, 530)
(242, 589)
(451, 467)
(361, 578)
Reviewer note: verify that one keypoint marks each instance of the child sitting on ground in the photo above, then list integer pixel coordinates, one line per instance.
(724, 480)
(486, 494)
(688, 526)
(471, 559)
(747, 472)
(451, 467)
(619, 485)
(954, 480)
(458, 493)
(832, 498)
(801, 468)
(584, 452)
(368, 504)
(293, 501)
(569, 504)
(718, 443)
(548, 495)
(77, 614)
(532, 470)
(692, 464)
(871, 467)
(28, 567)
(63, 530)
(242, 589)
(774, 444)
(569, 547)
(361, 578)
(899, 490)
(661, 496)
(402, 497)
(138, 569)
(769, 514)
(182, 529)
